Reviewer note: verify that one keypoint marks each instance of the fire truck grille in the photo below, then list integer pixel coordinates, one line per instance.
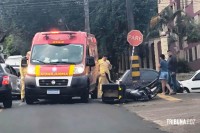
(53, 82)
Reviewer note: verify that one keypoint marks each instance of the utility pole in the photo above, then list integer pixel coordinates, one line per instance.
(130, 17)
(87, 18)
(130, 21)
(134, 60)
(179, 21)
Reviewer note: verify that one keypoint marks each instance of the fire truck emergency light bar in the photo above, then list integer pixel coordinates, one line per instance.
(71, 34)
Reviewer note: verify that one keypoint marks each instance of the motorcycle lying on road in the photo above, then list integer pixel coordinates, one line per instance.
(136, 92)
(143, 93)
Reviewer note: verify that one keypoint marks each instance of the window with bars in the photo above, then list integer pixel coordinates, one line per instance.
(186, 57)
(198, 51)
(195, 50)
(186, 2)
(198, 19)
(190, 55)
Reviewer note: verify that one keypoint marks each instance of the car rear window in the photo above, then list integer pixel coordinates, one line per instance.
(13, 61)
(148, 75)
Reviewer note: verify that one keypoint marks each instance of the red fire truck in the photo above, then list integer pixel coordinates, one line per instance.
(61, 65)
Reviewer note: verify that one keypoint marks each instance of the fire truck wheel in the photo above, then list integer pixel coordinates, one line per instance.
(85, 97)
(29, 100)
(94, 94)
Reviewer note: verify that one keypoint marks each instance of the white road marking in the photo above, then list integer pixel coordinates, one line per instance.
(21, 104)
(1, 110)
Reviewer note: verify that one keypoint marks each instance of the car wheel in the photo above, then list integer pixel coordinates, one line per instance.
(67, 100)
(104, 100)
(180, 90)
(159, 87)
(94, 94)
(8, 102)
(18, 97)
(85, 96)
(186, 90)
(29, 100)
(155, 91)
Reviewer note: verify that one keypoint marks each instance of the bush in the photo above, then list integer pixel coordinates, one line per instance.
(183, 66)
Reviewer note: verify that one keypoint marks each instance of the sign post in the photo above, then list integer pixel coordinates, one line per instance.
(135, 38)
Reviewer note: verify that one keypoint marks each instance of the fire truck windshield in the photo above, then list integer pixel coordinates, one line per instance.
(57, 54)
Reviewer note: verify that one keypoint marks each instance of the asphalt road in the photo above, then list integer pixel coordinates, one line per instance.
(75, 117)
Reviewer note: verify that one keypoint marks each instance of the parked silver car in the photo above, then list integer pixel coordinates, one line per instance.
(14, 79)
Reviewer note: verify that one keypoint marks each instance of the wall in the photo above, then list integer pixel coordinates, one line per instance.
(191, 52)
(192, 55)
(162, 4)
(196, 4)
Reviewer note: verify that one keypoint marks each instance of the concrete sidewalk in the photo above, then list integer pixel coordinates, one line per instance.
(176, 114)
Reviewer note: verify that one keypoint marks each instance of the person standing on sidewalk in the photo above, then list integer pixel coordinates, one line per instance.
(172, 68)
(164, 75)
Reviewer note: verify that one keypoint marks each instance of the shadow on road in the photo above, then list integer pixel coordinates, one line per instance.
(75, 101)
(49, 101)
(64, 101)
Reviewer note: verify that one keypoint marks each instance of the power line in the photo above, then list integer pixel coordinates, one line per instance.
(39, 5)
(29, 5)
(56, 2)
(55, 6)
(180, 2)
(33, 3)
(9, 4)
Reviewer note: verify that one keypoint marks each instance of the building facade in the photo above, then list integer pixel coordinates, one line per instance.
(190, 52)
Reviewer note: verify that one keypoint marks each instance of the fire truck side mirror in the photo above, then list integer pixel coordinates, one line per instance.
(24, 62)
(90, 61)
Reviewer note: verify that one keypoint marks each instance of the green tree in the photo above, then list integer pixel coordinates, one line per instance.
(107, 20)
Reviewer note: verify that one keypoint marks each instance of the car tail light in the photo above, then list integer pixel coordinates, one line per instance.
(5, 80)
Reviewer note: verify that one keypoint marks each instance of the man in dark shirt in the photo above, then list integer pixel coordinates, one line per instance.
(172, 68)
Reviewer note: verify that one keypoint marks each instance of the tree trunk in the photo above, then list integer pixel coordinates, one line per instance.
(130, 17)
(87, 19)
(120, 65)
(127, 61)
(123, 62)
(180, 38)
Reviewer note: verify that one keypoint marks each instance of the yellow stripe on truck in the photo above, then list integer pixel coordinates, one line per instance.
(37, 70)
(71, 70)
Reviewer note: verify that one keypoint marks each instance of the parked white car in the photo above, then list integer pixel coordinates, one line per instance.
(14, 61)
(192, 84)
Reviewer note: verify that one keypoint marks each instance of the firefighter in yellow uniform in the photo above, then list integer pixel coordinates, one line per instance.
(104, 68)
(23, 72)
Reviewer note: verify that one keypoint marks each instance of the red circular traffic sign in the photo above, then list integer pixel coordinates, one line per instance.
(135, 37)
